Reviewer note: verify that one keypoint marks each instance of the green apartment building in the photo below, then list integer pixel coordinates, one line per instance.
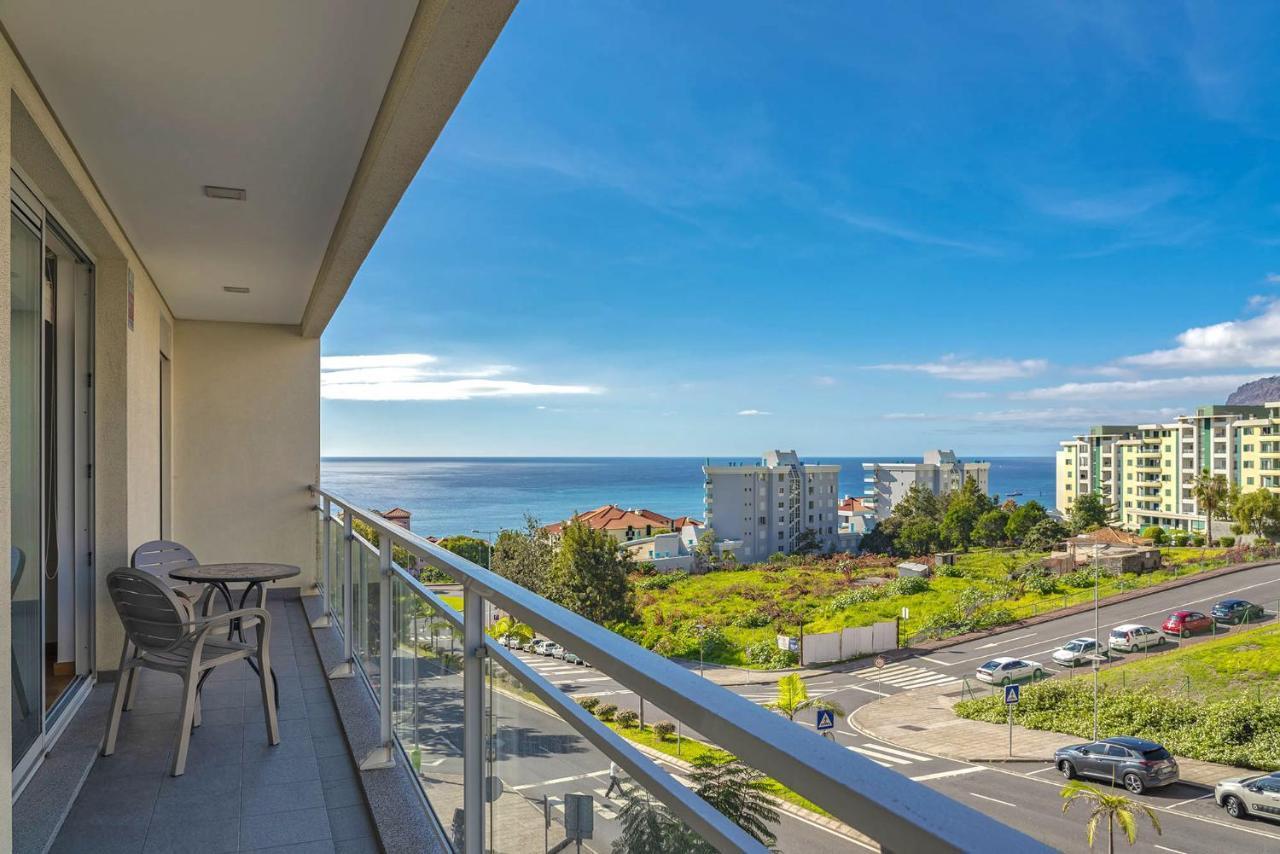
(1147, 472)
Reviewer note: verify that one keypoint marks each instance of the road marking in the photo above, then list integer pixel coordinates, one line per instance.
(589, 679)
(932, 660)
(1042, 770)
(1170, 850)
(878, 757)
(861, 688)
(1190, 801)
(559, 780)
(583, 694)
(897, 752)
(872, 758)
(953, 773)
(994, 800)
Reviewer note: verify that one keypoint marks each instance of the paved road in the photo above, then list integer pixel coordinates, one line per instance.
(1024, 795)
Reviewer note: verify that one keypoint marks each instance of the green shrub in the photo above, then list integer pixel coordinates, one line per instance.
(606, 712)
(1197, 540)
(756, 619)
(949, 570)
(907, 585)
(1043, 582)
(660, 581)
(1181, 538)
(627, 718)
(1155, 534)
(663, 730)
(589, 703)
(769, 655)
(1079, 579)
(1228, 542)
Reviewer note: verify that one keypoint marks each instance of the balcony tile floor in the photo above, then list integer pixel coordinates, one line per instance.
(238, 793)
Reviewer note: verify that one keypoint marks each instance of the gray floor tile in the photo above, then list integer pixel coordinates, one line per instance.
(343, 793)
(350, 822)
(284, 828)
(199, 806)
(282, 770)
(265, 798)
(364, 845)
(181, 834)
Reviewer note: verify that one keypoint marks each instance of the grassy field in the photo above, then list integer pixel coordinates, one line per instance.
(1242, 661)
(752, 605)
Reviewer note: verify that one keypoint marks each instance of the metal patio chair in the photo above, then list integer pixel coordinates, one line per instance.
(161, 634)
(159, 556)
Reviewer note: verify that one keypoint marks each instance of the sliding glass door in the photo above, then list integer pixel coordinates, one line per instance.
(25, 483)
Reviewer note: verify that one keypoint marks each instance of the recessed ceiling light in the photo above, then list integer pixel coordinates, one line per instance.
(233, 193)
(231, 289)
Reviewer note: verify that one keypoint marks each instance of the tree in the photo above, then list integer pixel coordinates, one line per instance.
(589, 575)
(1114, 809)
(513, 627)
(793, 698)
(738, 792)
(1155, 534)
(918, 536)
(704, 554)
(1211, 492)
(1044, 535)
(1087, 512)
(807, 542)
(919, 502)
(1024, 519)
(960, 520)
(474, 550)
(648, 827)
(1258, 512)
(524, 556)
(883, 538)
(991, 527)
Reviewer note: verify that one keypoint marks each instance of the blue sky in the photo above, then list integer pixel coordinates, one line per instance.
(714, 228)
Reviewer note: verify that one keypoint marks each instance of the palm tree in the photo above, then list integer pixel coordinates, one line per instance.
(648, 827)
(738, 792)
(793, 698)
(1116, 809)
(513, 627)
(1212, 493)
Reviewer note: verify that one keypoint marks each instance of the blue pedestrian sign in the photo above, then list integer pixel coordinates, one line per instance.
(826, 719)
(1011, 694)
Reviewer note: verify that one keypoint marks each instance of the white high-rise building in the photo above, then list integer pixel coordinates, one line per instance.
(760, 509)
(941, 472)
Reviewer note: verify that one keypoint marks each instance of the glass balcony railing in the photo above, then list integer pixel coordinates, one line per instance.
(508, 761)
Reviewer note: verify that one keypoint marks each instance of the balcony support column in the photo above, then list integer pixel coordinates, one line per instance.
(384, 755)
(473, 784)
(326, 562)
(346, 668)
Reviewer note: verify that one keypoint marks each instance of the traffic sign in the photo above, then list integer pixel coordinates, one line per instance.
(1012, 693)
(826, 719)
(880, 662)
(579, 817)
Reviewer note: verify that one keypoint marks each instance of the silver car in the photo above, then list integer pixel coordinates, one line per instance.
(1255, 795)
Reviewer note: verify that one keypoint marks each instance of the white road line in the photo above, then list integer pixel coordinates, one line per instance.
(559, 780)
(591, 679)
(583, 694)
(994, 800)
(879, 757)
(873, 759)
(861, 688)
(931, 679)
(933, 660)
(956, 772)
(1170, 850)
(898, 752)
(1042, 770)
(1190, 801)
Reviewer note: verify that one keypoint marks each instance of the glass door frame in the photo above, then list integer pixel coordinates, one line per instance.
(36, 214)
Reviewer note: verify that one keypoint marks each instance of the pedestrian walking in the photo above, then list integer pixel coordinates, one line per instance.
(615, 779)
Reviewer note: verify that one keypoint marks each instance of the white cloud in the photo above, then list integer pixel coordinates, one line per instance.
(898, 231)
(1251, 343)
(402, 376)
(968, 395)
(951, 367)
(752, 412)
(825, 381)
(1273, 278)
(1107, 206)
(1071, 418)
(1212, 384)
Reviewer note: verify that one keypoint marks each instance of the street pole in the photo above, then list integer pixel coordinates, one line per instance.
(1096, 650)
(702, 646)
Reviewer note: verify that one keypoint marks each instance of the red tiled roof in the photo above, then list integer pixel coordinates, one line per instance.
(395, 513)
(611, 517)
(681, 521)
(853, 505)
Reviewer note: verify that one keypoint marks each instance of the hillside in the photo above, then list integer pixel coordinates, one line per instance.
(1256, 393)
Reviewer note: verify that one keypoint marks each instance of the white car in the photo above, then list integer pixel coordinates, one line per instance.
(1002, 671)
(1079, 651)
(1132, 637)
(552, 649)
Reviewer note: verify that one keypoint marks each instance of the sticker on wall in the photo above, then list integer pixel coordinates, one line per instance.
(130, 299)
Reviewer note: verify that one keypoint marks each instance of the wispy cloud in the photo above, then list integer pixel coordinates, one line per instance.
(1210, 384)
(1249, 343)
(754, 412)
(1107, 206)
(952, 367)
(825, 381)
(1273, 278)
(405, 376)
(968, 395)
(1071, 418)
(898, 231)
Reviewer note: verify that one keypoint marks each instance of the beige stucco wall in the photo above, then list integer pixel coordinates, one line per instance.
(246, 409)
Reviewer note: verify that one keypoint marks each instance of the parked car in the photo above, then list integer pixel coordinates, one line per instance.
(558, 652)
(1132, 637)
(1186, 623)
(536, 646)
(551, 648)
(1257, 794)
(1236, 611)
(1135, 763)
(571, 658)
(1079, 651)
(1002, 671)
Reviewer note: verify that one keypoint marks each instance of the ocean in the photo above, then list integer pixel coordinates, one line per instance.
(459, 495)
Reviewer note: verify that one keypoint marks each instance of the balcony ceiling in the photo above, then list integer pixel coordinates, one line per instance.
(161, 98)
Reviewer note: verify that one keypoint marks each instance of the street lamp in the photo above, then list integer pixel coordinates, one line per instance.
(488, 541)
(702, 633)
(1097, 640)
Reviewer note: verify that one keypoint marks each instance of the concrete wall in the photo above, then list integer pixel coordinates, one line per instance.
(246, 435)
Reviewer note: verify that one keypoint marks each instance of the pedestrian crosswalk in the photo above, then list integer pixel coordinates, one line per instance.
(889, 757)
(904, 676)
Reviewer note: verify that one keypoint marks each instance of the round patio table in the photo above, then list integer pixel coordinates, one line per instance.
(253, 575)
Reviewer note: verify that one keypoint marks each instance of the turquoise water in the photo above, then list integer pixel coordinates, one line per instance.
(453, 495)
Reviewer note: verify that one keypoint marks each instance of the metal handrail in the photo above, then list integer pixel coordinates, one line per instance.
(900, 814)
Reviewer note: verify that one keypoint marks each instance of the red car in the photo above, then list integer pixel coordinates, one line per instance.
(1186, 623)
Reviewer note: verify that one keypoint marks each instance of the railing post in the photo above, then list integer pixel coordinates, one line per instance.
(384, 755)
(473, 720)
(326, 558)
(346, 668)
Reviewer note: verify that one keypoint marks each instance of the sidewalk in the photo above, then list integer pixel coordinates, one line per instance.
(923, 721)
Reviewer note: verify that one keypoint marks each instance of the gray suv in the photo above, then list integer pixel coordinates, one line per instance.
(1136, 763)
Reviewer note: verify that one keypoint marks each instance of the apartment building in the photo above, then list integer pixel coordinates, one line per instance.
(939, 472)
(1147, 472)
(763, 508)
